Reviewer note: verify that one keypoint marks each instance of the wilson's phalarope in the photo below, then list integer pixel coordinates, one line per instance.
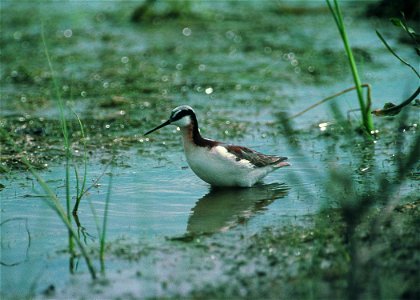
(217, 163)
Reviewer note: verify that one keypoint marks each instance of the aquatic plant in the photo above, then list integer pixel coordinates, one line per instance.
(64, 214)
(365, 202)
(389, 108)
(328, 98)
(66, 143)
(102, 230)
(81, 188)
(364, 105)
(55, 204)
(52, 199)
(359, 202)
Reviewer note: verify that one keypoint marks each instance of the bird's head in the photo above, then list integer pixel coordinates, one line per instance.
(181, 116)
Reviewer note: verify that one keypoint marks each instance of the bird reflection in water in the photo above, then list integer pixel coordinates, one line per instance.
(222, 209)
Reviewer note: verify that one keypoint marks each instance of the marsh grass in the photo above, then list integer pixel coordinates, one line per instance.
(51, 198)
(364, 105)
(365, 203)
(104, 226)
(55, 204)
(391, 109)
(102, 230)
(63, 213)
(358, 205)
(66, 143)
(80, 182)
(81, 188)
(326, 99)
(413, 36)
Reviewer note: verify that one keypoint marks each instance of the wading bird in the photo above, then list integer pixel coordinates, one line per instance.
(217, 163)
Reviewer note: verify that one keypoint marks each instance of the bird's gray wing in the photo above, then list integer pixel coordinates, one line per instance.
(256, 158)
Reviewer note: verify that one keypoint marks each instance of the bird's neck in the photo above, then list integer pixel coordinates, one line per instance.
(192, 137)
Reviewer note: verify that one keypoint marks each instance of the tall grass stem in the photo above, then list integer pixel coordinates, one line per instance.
(364, 107)
(64, 129)
(56, 206)
(104, 224)
(395, 54)
(80, 190)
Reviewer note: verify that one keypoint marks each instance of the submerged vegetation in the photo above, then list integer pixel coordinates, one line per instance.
(344, 223)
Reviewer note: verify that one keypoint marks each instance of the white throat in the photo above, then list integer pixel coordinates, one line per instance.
(183, 122)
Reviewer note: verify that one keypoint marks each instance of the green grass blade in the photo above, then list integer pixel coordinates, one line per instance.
(104, 224)
(81, 190)
(395, 54)
(56, 205)
(365, 108)
(57, 91)
(64, 129)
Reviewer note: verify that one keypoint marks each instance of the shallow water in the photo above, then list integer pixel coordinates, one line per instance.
(153, 201)
(155, 197)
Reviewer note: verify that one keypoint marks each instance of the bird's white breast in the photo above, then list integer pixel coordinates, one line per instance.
(218, 167)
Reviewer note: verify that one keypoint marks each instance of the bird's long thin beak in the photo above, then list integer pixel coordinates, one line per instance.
(160, 126)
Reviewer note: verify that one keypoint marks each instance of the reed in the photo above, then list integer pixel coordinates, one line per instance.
(368, 202)
(64, 129)
(55, 204)
(65, 215)
(104, 226)
(80, 190)
(102, 230)
(53, 201)
(364, 105)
